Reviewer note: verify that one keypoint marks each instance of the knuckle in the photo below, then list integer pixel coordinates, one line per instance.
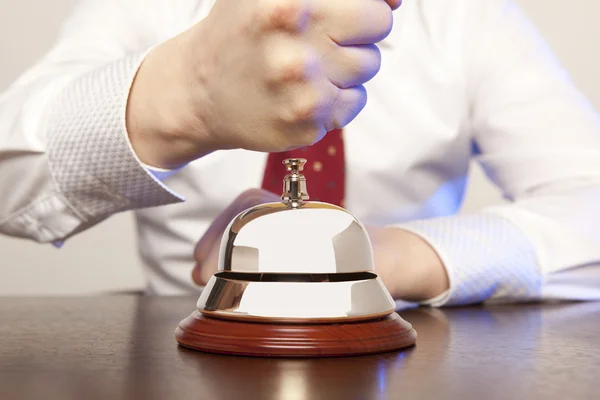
(307, 106)
(280, 13)
(308, 135)
(284, 66)
(313, 134)
(292, 71)
(288, 63)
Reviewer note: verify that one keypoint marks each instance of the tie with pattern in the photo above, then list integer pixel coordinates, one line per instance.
(324, 170)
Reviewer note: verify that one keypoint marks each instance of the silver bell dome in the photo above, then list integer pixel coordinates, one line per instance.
(295, 260)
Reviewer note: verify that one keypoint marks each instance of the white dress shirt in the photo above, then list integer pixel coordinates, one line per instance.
(460, 80)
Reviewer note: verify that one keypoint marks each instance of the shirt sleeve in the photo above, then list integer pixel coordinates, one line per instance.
(538, 140)
(64, 149)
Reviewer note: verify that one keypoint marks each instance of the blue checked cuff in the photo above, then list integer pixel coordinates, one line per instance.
(485, 255)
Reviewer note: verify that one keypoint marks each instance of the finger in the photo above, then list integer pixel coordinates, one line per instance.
(204, 246)
(211, 237)
(348, 104)
(208, 246)
(358, 22)
(352, 65)
(211, 265)
(197, 275)
(214, 233)
(316, 111)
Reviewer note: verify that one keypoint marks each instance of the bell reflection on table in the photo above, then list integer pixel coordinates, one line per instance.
(295, 278)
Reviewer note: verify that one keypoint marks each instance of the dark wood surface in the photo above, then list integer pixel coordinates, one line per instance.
(198, 332)
(124, 348)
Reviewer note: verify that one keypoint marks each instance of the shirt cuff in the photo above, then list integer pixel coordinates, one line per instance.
(160, 173)
(437, 300)
(90, 156)
(485, 255)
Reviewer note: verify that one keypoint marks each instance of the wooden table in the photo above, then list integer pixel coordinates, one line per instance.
(123, 348)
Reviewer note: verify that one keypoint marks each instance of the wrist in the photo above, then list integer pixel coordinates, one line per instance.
(410, 268)
(166, 127)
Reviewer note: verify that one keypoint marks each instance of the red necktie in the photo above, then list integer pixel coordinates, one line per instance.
(324, 170)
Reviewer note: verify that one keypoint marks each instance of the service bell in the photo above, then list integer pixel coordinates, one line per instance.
(295, 278)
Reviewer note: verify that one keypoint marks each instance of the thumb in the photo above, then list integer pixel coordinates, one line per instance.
(202, 272)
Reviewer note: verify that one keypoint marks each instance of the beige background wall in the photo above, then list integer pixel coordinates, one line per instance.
(105, 259)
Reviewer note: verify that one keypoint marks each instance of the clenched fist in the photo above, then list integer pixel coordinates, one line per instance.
(264, 75)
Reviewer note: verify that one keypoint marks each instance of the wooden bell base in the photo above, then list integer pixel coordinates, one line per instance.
(199, 332)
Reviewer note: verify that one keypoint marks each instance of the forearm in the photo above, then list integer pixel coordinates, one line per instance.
(537, 139)
(66, 161)
(462, 259)
(90, 156)
(543, 247)
(485, 256)
(82, 169)
(162, 131)
(31, 205)
(562, 220)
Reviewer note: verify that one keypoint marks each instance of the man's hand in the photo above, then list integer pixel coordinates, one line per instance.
(407, 265)
(263, 75)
